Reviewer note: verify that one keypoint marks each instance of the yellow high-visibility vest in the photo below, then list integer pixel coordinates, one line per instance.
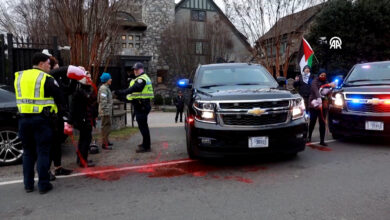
(146, 93)
(30, 92)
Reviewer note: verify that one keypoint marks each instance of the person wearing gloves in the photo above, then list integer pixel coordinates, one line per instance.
(38, 98)
(83, 115)
(318, 107)
(105, 109)
(58, 123)
(303, 84)
(140, 92)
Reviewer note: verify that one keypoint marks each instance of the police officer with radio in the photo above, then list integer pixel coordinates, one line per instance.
(140, 92)
(38, 98)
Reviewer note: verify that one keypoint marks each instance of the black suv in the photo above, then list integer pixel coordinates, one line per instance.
(361, 106)
(239, 109)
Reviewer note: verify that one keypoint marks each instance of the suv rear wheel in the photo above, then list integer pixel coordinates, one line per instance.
(11, 149)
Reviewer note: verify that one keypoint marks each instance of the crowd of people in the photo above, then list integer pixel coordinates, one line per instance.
(46, 114)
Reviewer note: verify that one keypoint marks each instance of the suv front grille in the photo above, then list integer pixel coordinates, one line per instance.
(249, 120)
(250, 105)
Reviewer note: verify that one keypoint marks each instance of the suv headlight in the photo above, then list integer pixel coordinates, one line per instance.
(338, 100)
(205, 111)
(298, 109)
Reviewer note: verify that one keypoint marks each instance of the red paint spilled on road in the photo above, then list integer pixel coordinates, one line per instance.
(93, 172)
(239, 179)
(191, 168)
(320, 148)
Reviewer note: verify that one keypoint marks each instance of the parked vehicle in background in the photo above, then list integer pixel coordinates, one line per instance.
(11, 149)
(361, 105)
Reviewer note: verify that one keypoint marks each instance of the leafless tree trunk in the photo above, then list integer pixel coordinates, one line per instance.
(179, 42)
(255, 17)
(91, 28)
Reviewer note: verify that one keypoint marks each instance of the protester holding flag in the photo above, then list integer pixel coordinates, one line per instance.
(303, 82)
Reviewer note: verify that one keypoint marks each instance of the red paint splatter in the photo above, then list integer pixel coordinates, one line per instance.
(239, 179)
(320, 148)
(112, 174)
(252, 169)
(191, 168)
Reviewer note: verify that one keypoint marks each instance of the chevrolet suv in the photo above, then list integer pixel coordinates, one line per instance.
(239, 109)
(361, 106)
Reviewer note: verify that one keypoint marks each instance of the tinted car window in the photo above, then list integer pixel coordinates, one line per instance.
(366, 73)
(233, 75)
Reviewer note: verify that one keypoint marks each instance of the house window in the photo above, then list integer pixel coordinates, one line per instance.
(200, 47)
(161, 75)
(197, 15)
(131, 40)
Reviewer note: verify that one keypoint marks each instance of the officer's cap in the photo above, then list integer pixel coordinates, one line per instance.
(138, 66)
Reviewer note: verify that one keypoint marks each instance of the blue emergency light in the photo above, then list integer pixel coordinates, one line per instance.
(183, 83)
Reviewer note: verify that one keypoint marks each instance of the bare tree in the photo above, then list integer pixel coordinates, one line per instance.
(255, 19)
(25, 18)
(185, 45)
(91, 28)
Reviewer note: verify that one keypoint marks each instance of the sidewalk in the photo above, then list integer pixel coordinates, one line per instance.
(159, 119)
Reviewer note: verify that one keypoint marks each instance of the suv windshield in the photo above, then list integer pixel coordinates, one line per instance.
(216, 76)
(373, 73)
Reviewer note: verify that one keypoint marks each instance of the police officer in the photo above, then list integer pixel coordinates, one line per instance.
(140, 92)
(38, 98)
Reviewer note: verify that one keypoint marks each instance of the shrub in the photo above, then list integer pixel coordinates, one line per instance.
(168, 101)
(158, 99)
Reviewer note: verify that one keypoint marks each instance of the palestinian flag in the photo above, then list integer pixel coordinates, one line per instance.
(307, 56)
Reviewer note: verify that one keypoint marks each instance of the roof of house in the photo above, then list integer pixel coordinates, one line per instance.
(293, 22)
(226, 19)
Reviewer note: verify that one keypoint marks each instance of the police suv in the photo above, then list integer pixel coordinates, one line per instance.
(361, 105)
(240, 109)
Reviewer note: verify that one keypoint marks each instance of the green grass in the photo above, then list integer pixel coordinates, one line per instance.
(122, 134)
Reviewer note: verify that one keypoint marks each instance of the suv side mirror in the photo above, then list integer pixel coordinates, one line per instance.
(184, 83)
(281, 80)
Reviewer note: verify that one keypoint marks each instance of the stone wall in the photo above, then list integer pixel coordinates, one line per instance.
(158, 15)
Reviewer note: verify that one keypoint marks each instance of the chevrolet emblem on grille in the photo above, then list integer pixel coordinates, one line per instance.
(256, 111)
(374, 101)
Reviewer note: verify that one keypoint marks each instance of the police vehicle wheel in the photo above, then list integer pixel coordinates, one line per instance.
(337, 136)
(11, 149)
(190, 148)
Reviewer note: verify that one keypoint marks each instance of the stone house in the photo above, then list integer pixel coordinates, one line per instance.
(143, 24)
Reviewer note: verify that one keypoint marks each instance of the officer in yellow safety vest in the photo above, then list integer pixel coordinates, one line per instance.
(38, 98)
(140, 92)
